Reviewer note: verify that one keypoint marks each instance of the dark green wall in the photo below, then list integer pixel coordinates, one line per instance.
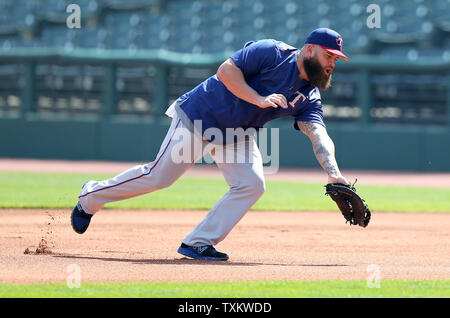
(380, 147)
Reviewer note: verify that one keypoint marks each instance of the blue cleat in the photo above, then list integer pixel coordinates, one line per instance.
(79, 219)
(205, 252)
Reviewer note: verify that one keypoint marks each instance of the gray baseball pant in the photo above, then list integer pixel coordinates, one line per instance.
(241, 165)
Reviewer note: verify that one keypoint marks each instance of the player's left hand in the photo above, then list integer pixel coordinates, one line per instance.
(351, 205)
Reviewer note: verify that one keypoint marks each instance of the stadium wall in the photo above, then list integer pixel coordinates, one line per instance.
(413, 148)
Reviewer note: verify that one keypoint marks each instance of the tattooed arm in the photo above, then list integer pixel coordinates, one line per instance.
(323, 148)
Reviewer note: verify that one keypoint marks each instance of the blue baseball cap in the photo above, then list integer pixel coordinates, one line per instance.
(329, 40)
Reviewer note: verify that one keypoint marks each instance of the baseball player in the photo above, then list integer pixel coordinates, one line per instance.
(264, 80)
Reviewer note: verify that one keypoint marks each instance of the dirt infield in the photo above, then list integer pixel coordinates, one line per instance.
(141, 246)
(40, 246)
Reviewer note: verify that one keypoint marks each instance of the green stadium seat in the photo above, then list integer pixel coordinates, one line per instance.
(203, 26)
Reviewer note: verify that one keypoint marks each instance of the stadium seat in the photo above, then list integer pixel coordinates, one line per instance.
(213, 26)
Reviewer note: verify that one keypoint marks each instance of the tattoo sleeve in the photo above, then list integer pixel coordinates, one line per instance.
(323, 146)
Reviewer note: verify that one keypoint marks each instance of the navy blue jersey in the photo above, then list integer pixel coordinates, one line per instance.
(269, 67)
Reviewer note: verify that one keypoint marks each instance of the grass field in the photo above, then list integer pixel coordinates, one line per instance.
(49, 190)
(266, 289)
(45, 190)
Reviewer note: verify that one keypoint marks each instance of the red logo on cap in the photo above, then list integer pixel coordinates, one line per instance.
(339, 42)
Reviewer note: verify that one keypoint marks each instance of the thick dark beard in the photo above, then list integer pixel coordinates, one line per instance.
(316, 73)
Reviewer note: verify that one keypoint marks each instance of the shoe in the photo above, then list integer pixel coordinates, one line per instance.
(79, 219)
(205, 252)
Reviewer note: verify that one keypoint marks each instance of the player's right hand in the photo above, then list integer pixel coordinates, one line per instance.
(337, 179)
(273, 100)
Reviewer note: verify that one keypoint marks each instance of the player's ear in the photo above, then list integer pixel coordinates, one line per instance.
(310, 49)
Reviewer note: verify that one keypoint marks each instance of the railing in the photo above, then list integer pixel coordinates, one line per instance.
(114, 82)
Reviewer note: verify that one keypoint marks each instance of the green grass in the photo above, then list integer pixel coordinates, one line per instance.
(259, 289)
(51, 190)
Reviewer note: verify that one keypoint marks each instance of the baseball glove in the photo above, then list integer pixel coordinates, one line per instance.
(352, 206)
